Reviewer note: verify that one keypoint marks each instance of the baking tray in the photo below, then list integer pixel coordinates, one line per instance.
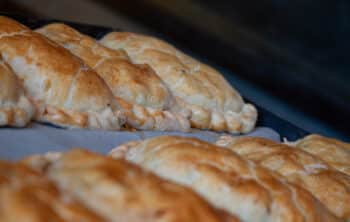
(266, 119)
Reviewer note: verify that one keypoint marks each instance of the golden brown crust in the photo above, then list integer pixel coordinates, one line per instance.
(214, 103)
(336, 153)
(26, 195)
(121, 191)
(136, 85)
(225, 179)
(330, 186)
(133, 83)
(57, 80)
(15, 107)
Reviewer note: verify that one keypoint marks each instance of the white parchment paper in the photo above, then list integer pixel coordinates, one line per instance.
(17, 143)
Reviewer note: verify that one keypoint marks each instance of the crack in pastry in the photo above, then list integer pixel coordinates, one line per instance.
(121, 191)
(15, 108)
(225, 179)
(26, 195)
(334, 152)
(147, 102)
(65, 91)
(330, 186)
(214, 104)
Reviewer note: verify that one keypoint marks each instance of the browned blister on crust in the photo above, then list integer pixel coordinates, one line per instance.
(26, 195)
(335, 152)
(148, 103)
(15, 107)
(330, 186)
(65, 91)
(225, 179)
(213, 103)
(121, 191)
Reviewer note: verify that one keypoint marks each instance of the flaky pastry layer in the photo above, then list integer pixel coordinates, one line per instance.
(225, 179)
(330, 186)
(56, 79)
(121, 191)
(26, 195)
(335, 152)
(214, 104)
(148, 99)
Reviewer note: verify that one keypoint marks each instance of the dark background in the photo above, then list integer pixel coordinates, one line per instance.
(294, 51)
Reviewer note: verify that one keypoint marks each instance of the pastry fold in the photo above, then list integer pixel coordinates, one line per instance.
(335, 152)
(26, 195)
(225, 179)
(213, 103)
(121, 191)
(64, 90)
(147, 101)
(330, 186)
(15, 108)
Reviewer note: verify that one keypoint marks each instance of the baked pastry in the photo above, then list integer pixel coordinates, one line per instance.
(15, 108)
(336, 153)
(26, 195)
(147, 101)
(121, 191)
(225, 179)
(215, 105)
(330, 186)
(64, 90)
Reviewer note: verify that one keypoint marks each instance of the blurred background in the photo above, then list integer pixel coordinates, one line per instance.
(290, 57)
